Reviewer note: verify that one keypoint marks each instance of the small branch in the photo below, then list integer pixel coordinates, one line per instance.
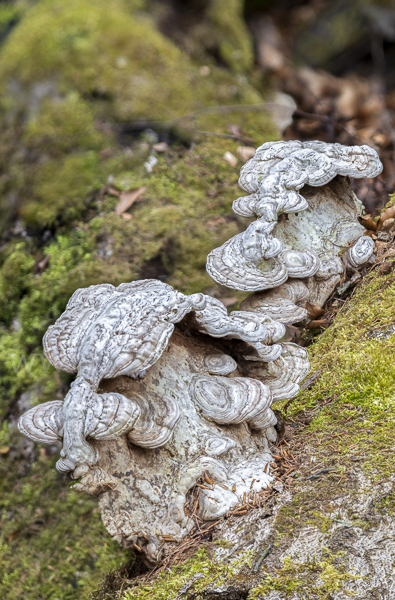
(224, 135)
(306, 115)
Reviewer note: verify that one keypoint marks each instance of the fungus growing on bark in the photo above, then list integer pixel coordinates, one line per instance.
(170, 388)
(106, 332)
(283, 303)
(319, 224)
(359, 253)
(140, 424)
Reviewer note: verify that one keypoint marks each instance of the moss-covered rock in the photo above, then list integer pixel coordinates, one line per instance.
(231, 34)
(69, 72)
(54, 543)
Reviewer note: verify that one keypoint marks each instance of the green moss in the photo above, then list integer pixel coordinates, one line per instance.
(168, 584)
(15, 273)
(235, 43)
(70, 71)
(63, 125)
(10, 13)
(52, 545)
(60, 189)
(317, 577)
(356, 355)
(101, 48)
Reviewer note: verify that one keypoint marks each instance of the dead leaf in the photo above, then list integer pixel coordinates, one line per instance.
(367, 222)
(387, 225)
(292, 332)
(127, 216)
(13, 535)
(4, 450)
(381, 139)
(67, 548)
(207, 478)
(230, 159)
(385, 268)
(389, 213)
(126, 199)
(245, 152)
(42, 264)
(113, 191)
(51, 568)
(160, 147)
(314, 311)
(270, 47)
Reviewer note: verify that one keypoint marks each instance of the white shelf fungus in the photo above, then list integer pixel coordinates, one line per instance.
(140, 424)
(296, 235)
(170, 388)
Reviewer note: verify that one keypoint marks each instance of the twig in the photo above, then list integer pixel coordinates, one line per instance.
(111, 488)
(306, 115)
(341, 522)
(224, 135)
(310, 381)
(263, 556)
(223, 109)
(319, 473)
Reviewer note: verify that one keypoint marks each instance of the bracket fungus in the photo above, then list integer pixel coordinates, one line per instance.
(295, 235)
(162, 395)
(171, 388)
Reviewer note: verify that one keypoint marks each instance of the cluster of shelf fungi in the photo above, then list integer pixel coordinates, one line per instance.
(170, 387)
